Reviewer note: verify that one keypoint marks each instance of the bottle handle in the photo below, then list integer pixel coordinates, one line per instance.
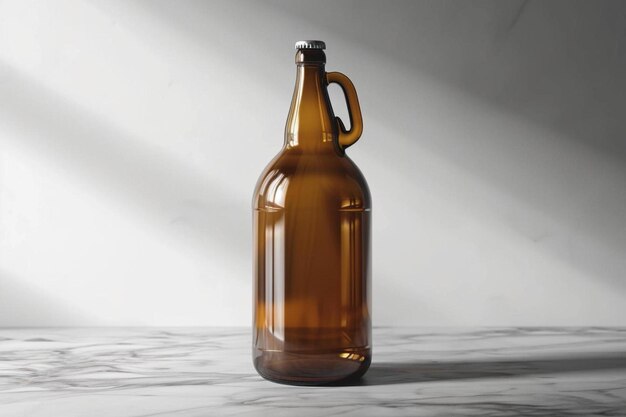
(347, 137)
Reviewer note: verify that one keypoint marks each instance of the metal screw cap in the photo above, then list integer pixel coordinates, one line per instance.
(308, 44)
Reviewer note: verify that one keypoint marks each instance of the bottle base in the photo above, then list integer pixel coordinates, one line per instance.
(312, 368)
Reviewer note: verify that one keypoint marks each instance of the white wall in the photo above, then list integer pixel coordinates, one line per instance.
(132, 134)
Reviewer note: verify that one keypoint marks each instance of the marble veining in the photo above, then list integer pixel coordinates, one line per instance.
(416, 372)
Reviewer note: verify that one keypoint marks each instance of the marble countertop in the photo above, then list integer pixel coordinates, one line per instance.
(416, 372)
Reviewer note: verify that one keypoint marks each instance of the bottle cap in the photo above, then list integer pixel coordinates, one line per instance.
(310, 45)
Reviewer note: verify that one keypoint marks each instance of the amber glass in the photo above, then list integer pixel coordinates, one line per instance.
(312, 218)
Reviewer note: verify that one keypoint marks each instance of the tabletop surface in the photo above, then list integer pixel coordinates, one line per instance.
(134, 372)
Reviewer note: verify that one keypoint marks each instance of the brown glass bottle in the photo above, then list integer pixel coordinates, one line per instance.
(312, 210)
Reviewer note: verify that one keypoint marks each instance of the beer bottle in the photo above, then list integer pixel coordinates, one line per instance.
(312, 220)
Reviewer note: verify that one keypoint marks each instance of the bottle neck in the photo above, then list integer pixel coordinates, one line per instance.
(311, 123)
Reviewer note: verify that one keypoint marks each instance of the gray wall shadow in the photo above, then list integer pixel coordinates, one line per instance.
(559, 64)
(555, 65)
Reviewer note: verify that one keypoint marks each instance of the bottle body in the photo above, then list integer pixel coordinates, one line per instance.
(312, 220)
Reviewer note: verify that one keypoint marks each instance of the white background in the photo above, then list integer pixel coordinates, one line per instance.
(132, 134)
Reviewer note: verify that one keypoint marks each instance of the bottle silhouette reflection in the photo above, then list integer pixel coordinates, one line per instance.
(312, 220)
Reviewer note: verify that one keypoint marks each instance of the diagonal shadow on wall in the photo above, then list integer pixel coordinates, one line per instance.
(43, 309)
(176, 198)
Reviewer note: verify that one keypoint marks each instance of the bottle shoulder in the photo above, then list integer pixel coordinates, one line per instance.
(296, 180)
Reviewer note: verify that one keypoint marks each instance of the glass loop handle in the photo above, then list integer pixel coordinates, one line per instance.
(348, 137)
